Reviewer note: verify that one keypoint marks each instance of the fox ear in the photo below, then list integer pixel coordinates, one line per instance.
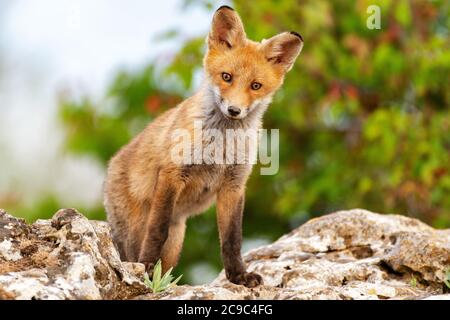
(227, 30)
(283, 49)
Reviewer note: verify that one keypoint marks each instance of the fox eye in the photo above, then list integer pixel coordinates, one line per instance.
(226, 77)
(256, 85)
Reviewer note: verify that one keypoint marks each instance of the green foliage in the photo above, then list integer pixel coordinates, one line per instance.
(447, 280)
(158, 283)
(132, 100)
(46, 207)
(364, 115)
(413, 282)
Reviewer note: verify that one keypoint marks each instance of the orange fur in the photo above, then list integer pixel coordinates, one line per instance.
(148, 197)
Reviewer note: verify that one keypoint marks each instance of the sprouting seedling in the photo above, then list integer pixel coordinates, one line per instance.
(160, 283)
(413, 282)
(447, 278)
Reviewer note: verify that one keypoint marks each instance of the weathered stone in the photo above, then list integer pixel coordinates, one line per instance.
(439, 297)
(352, 254)
(68, 257)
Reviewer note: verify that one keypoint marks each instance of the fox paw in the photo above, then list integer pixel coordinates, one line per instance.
(149, 266)
(248, 279)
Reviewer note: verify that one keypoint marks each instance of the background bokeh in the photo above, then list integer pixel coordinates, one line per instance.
(364, 119)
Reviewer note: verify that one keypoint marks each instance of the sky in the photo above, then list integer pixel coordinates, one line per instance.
(50, 45)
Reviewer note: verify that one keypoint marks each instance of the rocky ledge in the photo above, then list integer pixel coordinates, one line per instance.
(352, 254)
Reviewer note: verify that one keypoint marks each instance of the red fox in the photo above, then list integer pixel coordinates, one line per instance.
(148, 196)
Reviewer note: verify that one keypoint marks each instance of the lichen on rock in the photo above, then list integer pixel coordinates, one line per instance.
(353, 254)
(67, 257)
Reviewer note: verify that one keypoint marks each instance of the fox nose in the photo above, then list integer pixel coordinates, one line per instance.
(234, 111)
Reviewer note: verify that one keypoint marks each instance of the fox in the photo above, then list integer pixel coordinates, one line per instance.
(148, 196)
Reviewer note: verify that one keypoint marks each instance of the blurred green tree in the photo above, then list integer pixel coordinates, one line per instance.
(364, 115)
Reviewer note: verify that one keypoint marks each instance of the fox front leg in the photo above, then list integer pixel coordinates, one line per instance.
(157, 222)
(230, 206)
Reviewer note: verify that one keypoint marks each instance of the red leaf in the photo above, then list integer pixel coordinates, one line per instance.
(153, 103)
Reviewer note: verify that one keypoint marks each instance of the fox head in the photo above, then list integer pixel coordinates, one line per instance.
(244, 74)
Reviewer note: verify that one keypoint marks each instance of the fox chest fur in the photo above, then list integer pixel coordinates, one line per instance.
(214, 158)
(201, 183)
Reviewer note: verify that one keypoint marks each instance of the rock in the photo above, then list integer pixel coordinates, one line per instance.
(67, 257)
(439, 297)
(352, 254)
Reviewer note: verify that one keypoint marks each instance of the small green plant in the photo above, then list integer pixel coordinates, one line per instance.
(447, 278)
(160, 283)
(413, 282)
